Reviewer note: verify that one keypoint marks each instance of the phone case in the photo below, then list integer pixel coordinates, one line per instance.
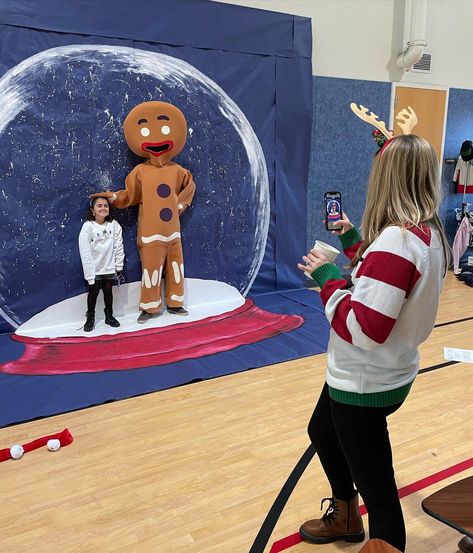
(333, 210)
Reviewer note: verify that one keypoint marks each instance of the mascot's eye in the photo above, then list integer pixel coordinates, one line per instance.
(165, 129)
(145, 131)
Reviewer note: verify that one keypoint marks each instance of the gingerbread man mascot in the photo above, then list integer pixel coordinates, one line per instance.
(163, 189)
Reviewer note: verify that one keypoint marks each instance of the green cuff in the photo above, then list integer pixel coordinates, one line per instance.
(327, 271)
(350, 238)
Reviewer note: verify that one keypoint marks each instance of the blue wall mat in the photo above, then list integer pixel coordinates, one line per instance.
(459, 128)
(235, 71)
(342, 149)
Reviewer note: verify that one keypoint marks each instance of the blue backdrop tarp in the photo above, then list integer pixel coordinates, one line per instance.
(195, 23)
(72, 71)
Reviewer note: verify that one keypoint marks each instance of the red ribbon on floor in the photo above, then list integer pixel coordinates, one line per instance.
(64, 437)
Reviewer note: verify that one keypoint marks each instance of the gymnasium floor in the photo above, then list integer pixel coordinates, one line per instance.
(197, 468)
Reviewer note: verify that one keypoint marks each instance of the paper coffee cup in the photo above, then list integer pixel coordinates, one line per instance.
(325, 249)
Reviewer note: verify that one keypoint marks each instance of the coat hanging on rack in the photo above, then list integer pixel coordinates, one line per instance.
(461, 242)
(463, 174)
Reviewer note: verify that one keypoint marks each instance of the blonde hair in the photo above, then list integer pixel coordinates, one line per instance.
(403, 190)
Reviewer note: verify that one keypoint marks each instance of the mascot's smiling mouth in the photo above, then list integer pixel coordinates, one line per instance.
(157, 148)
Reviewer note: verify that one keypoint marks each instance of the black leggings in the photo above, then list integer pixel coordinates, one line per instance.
(353, 445)
(94, 289)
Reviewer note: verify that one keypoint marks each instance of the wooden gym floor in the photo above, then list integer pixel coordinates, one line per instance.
(197, 468)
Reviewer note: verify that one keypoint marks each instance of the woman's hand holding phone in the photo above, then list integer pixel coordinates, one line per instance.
(345, 223)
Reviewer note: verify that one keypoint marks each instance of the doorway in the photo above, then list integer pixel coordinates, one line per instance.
(430, 105)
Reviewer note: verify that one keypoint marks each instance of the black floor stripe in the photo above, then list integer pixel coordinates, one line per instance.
(439, 366)
(453, 322)
(274, 513)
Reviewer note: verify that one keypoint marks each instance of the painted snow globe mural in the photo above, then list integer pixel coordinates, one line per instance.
(61, 136)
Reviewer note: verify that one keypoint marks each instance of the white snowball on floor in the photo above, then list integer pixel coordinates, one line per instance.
(53, 445)
(16, 451)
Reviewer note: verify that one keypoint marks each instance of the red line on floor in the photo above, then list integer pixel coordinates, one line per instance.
(294, 539)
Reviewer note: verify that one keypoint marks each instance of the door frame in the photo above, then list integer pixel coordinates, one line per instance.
(394, 85)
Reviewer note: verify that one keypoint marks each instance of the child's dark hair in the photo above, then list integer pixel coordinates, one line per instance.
(89, 215)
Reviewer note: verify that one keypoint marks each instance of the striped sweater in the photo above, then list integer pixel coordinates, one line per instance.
(379, 318)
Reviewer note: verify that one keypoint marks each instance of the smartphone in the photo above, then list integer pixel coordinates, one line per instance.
(333, 210)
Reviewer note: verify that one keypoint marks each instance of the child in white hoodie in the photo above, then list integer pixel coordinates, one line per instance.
(102, 256)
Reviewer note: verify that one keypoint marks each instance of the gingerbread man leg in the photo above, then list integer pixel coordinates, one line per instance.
(152, 263)
(174, 275)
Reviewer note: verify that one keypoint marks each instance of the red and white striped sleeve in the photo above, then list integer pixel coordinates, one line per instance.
(365, 315)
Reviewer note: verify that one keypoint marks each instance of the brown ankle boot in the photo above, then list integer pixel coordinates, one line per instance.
(341, 521)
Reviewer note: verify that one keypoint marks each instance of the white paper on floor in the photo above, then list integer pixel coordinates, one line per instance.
(462, 355)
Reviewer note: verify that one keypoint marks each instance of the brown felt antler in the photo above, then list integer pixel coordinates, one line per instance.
(371, 118)
(407, 119)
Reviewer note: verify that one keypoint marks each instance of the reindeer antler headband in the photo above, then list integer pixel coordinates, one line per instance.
(406, 118)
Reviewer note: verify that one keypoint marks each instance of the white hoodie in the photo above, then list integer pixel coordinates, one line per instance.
(101, 249)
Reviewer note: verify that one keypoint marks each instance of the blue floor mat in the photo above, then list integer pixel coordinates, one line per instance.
(25, 398)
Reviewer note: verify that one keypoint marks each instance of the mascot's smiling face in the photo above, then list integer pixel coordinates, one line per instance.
(155, 130)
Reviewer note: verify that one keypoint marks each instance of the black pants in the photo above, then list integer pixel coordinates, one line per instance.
(353, 446)
(94, 289)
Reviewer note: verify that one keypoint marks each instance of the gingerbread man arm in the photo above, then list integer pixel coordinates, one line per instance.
(187, 192)
(108, 194)
(132, 193)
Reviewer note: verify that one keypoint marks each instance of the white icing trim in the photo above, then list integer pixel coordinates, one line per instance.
(177, 274)
(154, 237)
(150, 305)
(147, 279)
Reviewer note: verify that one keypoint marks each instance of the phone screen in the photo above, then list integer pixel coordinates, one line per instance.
(333, 210)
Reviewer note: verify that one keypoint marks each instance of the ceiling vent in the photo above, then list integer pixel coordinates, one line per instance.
(423, 65)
